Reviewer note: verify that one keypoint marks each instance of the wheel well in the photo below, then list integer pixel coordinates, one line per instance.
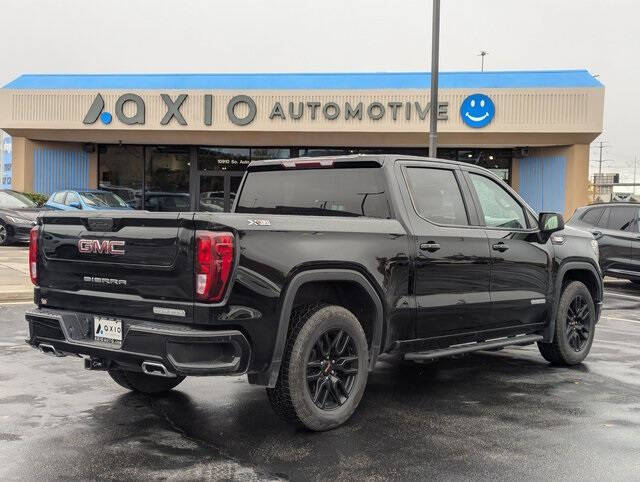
(347, 294)
(586, 277)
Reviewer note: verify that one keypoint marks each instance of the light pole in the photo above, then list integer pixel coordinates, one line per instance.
(483, 54)
(433, 109)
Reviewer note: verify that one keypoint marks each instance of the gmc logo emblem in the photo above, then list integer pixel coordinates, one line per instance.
(96, 246)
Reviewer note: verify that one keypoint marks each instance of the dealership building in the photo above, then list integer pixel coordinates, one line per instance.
(166, 142)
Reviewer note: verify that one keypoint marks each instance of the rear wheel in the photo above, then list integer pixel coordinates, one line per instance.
(324, 369)
(141, 382)
(575, 327)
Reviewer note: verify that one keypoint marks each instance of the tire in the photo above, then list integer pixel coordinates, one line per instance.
(143, 383)
(337, 382)
(5, 234)
(574, 328)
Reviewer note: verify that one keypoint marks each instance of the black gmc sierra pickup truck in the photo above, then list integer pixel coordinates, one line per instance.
(324, 264)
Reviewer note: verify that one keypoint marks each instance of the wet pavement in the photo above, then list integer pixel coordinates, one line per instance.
(500, 415)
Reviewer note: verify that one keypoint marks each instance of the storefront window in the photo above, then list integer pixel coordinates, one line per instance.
(496, 160)
(167, 179)
(223, 158)
(262, 153)
(121, 171)
(165, 175)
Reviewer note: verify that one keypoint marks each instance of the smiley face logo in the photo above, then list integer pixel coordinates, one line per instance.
(477, 110)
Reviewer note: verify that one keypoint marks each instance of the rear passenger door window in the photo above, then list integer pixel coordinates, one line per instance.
(436, 196)
(623, 219)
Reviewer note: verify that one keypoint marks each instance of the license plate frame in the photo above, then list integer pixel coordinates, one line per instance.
(107, 330)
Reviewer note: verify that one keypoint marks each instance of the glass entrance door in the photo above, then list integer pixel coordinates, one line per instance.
(218, 191)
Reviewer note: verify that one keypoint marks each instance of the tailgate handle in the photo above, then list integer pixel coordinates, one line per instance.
(100, 224)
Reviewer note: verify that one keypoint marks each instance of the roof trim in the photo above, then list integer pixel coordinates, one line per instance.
(310, 81)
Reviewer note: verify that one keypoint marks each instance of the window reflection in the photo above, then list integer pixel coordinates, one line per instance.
(167, 179)
(223, 158)
(120, 172)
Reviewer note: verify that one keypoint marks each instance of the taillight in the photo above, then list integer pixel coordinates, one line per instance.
(33, 251)
(213, 262)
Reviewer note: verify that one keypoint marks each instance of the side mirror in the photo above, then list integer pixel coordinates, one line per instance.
(550, 223)
(75, 204)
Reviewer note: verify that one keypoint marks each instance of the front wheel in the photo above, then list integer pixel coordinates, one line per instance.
(324, 369)
(4, 234)
(141, 382)
(575, 327)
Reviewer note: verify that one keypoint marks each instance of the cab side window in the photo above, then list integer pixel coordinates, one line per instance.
(499, 208)
(436, 195)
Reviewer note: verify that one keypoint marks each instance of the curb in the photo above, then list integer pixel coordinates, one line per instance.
(18, 295)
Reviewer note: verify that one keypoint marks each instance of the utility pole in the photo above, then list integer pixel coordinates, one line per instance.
(482, 54)
(435, 51)
(600, 160)
(635, 165)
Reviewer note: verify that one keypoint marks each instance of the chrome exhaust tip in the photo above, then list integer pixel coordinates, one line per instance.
(50, 350)
(156, 369)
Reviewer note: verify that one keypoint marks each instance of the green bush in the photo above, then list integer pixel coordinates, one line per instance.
(36, 197)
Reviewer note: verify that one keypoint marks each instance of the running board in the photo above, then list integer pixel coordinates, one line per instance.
(471, 347)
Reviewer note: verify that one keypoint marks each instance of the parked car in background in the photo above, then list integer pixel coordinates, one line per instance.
(615, 227)
(90, 200)
(17, 216)
(214, 200)
(165, 201)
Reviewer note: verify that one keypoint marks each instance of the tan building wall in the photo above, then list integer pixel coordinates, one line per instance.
(550, 121)
(22, 164)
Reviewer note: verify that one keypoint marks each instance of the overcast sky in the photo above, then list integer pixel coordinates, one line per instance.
(123, 36)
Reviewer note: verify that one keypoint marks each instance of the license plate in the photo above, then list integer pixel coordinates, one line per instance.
(107, 330)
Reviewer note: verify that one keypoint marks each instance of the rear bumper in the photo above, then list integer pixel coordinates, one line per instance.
(182, 350)
(20, 232)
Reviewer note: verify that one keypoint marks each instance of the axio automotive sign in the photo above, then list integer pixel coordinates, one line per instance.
(310, 110)
(477, 110)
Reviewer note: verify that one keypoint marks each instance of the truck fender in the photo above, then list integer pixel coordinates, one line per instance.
(562, 271)
(287, 306)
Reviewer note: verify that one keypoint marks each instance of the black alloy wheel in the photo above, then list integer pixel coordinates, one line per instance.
(4, 234)
(574, 327)
(578, 323)
(332, 369)
(324, 368)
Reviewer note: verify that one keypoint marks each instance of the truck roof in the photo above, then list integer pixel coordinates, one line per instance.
(380, 159)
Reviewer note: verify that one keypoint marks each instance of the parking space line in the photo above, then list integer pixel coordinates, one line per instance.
(620, 295)
(637, 322)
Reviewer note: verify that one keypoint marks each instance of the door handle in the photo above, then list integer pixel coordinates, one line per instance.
(430, 246)
(500, 247)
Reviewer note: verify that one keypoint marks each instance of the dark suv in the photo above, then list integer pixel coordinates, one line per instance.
(615, 226)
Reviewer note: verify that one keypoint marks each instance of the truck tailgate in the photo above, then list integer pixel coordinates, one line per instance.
(117, 262)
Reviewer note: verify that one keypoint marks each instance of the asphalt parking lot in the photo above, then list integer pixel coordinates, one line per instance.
(501, 415)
